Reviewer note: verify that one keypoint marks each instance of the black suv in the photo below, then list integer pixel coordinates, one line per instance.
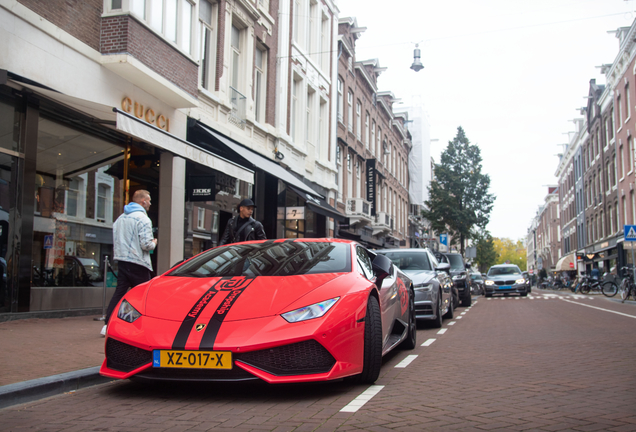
(461, 275)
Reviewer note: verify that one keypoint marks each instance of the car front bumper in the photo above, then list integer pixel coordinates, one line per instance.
(506, 289)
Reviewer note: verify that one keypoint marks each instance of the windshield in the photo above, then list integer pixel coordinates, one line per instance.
(475, 277)
(287, 258)
(497, 271)
(456, 262)
(406, 261)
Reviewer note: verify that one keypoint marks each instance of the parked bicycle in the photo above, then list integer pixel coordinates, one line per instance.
(611, 288)
(627, 285)
(588, 284)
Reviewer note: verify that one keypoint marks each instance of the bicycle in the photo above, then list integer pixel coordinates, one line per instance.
(628, 287)
(588, 284)
(611, 288)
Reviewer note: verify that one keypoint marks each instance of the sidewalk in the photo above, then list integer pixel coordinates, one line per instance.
(42, 357)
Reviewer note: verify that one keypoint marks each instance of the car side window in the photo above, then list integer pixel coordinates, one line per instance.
(434, 261)
(364, 263)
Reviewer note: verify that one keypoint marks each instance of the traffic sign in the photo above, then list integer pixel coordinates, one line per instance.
(48, 241)
(443, 239)
(630, 232)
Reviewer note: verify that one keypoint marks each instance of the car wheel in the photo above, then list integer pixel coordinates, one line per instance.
(437, 322)
(372, 343)
(488, 295)
(450, 313)
(411, 337)
(467, 300)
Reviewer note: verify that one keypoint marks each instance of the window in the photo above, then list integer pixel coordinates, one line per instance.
(340, 100)
(364, 263)
(324, 51)
(379, 149)
(620, 111)
(630, 149)
(72, 197)
(170, 18)
(358, 120)
(372, 142)
(298, 15)
(358, 183)
(235, 63)
(309, 123)
(366, 130)
(200, 218)
(628, 108)
(207, 14)
(339, 179)
(294, 108)
(104, 195)
(349, 176)
(350, 111)
(260, 83)
(622, 162)
(322, 134)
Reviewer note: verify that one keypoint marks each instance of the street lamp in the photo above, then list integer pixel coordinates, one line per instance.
(417, 64)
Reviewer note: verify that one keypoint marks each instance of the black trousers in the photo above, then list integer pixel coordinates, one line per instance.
(129, 275)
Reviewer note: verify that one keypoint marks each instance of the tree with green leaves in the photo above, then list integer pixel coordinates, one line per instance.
(486, 254)
(458, 195)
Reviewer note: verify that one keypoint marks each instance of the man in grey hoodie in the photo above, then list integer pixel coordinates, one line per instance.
(133, 241)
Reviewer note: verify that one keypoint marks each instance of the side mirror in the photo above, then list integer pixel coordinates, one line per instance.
(381, 268)
(443, 267)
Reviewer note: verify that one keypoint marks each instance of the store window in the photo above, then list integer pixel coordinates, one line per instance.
(294, 219)
(74, 211)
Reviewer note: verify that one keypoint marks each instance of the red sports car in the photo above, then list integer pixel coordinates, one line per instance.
(288, 310)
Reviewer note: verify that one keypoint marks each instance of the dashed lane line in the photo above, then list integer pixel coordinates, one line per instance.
(442, 331)
(605, 310)
(429, 342)
(459, 317)
(364, 397)
(452, 323)
(407, 361)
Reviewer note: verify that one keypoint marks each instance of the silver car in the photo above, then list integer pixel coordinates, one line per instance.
(505, 279)
(433, 286)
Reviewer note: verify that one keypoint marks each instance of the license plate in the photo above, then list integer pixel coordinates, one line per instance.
(192, 359)
(505, 287)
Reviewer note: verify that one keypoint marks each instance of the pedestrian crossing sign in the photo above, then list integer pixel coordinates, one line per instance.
(48, 241)
(630, 232)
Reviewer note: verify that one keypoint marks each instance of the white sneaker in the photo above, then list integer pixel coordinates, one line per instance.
(103, 332)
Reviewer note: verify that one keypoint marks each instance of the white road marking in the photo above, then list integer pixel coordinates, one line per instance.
(407, 361)
(605, 310)
(442, 331)
(428, 342)
(463, 313)
(459, 317)
(364, 397)
(452, 323)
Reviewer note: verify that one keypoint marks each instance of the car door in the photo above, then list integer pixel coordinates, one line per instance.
(445, 282)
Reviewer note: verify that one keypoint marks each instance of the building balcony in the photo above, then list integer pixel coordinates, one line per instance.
(358, 211)
(383, 223)
(238, 113)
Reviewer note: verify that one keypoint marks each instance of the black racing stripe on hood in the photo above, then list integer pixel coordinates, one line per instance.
(188, 322)
(236, 286)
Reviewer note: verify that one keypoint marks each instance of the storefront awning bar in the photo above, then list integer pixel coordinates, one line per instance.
(153, 135)
(320, 206)
(262, 162)
(132, 126)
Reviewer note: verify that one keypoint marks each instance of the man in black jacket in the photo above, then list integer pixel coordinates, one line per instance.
(242, 227)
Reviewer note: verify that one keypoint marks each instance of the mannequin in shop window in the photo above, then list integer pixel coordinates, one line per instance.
(243, 227)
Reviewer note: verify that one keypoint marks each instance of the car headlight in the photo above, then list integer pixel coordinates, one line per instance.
(520, 281)
(127, 312)
(423, 287)
(489, 282)
(310, 312)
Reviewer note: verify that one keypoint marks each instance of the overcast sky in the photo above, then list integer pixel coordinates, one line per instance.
(512, 73)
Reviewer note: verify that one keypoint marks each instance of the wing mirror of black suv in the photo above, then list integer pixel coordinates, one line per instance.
(381, 268)
(443, 267)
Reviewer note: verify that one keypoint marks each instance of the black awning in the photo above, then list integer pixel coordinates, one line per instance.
(261, 162)
(319, 205)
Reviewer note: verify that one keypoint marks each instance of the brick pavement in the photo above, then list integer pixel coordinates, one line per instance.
(506, 365)
(36, 348)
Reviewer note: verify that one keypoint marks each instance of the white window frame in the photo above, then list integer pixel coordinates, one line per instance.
(350, 110)
(260, 84)
(200, 218)
(207, 45)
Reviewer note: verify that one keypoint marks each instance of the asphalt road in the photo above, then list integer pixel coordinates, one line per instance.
(547, 362)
